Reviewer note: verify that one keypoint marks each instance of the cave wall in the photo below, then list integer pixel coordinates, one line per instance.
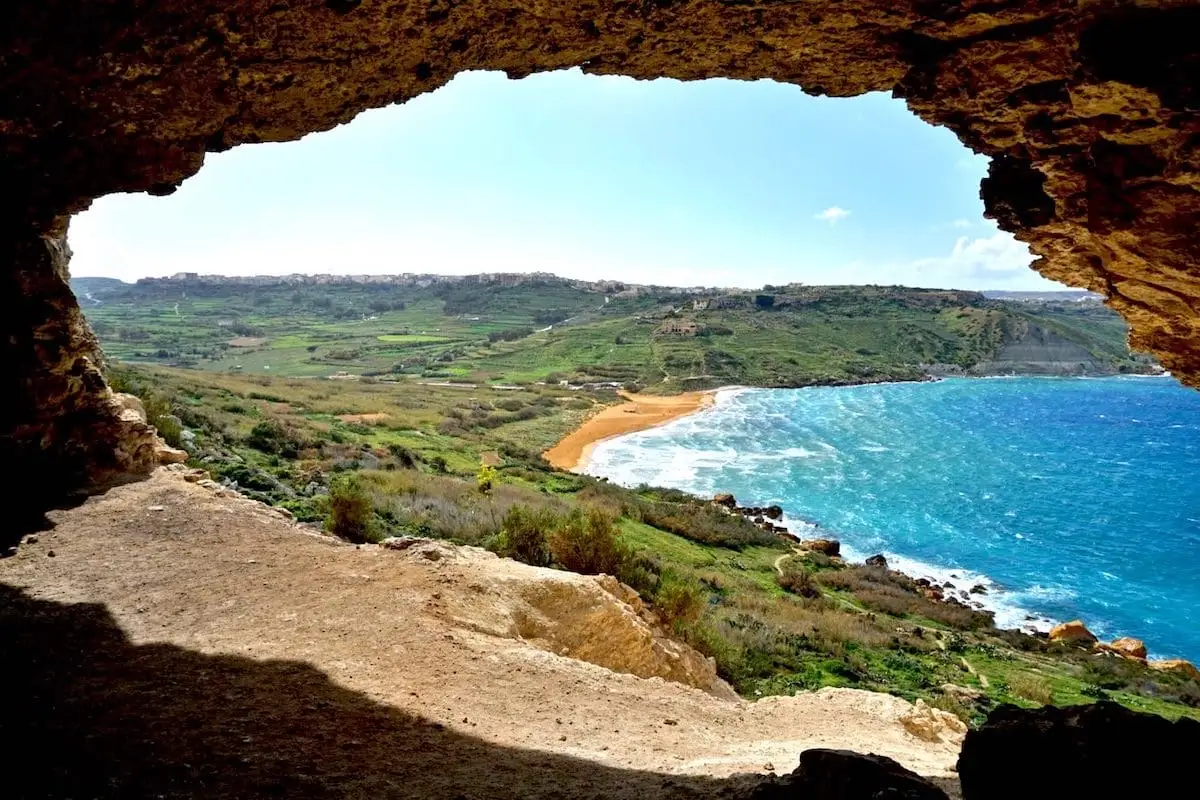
(1088, 109)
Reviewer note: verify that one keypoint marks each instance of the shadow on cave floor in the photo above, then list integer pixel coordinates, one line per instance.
(33, 495)
(90, 714)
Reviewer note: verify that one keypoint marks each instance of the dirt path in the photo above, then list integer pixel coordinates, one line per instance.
(637, 413)
(168, 639)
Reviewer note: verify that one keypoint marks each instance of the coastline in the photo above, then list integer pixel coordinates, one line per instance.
(1010, 613)
(638, 412)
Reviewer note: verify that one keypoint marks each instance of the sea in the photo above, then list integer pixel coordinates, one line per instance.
(1066, 498)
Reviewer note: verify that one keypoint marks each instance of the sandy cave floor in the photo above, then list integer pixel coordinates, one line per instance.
(178, 642)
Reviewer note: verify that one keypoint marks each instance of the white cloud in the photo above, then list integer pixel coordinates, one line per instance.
(961, 223)
(833, 215)
(998, 261)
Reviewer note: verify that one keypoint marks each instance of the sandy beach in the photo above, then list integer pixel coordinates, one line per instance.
(637, 413)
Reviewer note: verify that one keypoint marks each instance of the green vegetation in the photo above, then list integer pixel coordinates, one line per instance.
(397, 444)
(548, 329)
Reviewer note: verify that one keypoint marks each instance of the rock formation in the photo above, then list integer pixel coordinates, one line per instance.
(1088, 111)
(1073, 632)
(1179, 665)
(1125, 647)
(844, 775)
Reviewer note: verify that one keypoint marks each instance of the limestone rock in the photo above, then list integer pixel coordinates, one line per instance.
(725, 499)
(932, 724)
(593, 618)
(830, 547)
(1178, 665)
(1073, 632)
(1126, 647)
(165, 454)
(877, 560)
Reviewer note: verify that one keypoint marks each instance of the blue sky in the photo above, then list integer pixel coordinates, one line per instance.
(714, 182)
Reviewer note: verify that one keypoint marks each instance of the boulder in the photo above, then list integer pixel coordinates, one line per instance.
(932, 724)
(773, 512)
(725, 499)
(165, 454)
(1091, 751)
(1125, 647)
(979, 588)
(1073, 632)
(877, 560)
(830, 547)
(1178, 665)
(845, 775)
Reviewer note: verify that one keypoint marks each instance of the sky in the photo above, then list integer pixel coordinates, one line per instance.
(717, 183)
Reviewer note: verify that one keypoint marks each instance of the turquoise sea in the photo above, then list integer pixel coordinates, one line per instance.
(1066, 497)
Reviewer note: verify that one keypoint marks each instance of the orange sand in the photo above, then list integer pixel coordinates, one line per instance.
(638, 412)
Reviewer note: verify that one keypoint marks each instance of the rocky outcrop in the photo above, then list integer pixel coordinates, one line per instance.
(829, 547)
(1125, 647)
(1177, 665)
(1099, 750)
(1088, 111)
(726, 500)
(877, 560)
(845, 775)
(1073, 632)
(593, 618)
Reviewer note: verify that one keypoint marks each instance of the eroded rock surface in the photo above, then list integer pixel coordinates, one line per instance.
(1088, 110)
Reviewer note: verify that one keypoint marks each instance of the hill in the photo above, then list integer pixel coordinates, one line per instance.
(456, 454)
(523, 328)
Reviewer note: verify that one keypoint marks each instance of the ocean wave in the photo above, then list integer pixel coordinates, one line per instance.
(1010, 609)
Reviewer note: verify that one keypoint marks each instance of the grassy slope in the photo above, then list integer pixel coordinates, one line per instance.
(499, 333)
(432, 439)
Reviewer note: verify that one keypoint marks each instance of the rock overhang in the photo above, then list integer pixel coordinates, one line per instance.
(1088, 112)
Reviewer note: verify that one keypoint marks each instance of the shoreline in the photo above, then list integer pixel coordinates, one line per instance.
(643, 412)
(638, 412)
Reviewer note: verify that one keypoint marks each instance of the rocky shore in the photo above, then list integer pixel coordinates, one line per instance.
(1073, 633)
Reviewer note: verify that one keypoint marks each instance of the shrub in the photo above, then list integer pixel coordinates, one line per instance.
(678, 602)
(404, 457)
(269, 436)
(485, 479)
(1031, 687)
(793, 577)
(589, 544)
(351, 511)
(523, 535)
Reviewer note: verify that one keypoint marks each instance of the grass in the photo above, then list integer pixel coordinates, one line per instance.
(550, 329)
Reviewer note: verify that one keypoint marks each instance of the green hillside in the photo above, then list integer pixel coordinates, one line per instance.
(510, 329)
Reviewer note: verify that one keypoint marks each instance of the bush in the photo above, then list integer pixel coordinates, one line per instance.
(485, 479)
(898, 595)
(794, 578)
(589, 544)
(1031, 687)
(678, 602)
(523, 535)
(351, 511)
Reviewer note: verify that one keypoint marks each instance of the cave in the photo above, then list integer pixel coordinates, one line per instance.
(1088, 112)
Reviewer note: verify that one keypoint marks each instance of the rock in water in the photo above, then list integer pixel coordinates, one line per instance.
(845, 775)
(830, 547)
(1073, 632)
(877, 560)
(773, 512)
(725, 499)
(1093, 751)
